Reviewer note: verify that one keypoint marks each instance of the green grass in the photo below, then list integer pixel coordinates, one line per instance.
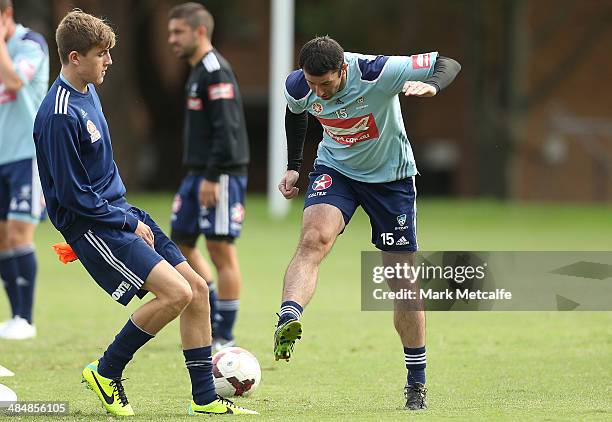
(349, 366)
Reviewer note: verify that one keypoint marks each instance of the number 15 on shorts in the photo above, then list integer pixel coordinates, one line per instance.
(387, 239)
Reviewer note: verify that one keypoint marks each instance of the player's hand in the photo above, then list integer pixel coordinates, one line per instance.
(287, 184)
(209, 193)
(143, 231)
(418, 89)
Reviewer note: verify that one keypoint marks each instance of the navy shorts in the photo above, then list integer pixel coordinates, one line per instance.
(120, 261)
(224, 221)
(21, 195)
(391, 206)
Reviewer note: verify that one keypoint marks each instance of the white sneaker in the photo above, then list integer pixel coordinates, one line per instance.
(221, 343)
(18, 329)
(5, 324)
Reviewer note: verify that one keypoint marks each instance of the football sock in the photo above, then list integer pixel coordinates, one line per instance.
(289, 310)
(122, 349)
(8, 274)
(26, 270)
(199, 365)
(226, 317)
(212, 300)
(416, 362)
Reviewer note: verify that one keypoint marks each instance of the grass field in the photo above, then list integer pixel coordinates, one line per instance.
(481, 366)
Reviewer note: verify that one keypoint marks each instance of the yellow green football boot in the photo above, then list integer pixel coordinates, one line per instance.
(109, 391)
(284, 338)
(220, 406)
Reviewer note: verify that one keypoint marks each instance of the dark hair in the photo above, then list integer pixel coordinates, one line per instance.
(5, 4)
(195, 15)
(321, 55)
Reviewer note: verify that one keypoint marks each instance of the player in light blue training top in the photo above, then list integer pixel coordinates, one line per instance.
(24, 77)
(364, 159)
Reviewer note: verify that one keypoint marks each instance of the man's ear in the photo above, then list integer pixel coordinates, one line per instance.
(202, 31)
(343, 69)
(73, 57)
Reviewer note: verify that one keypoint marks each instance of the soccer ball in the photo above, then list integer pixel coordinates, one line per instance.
(236, 372)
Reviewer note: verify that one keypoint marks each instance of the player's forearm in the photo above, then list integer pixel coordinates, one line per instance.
(99, 211)
(445, 71)
(8, 76)
(295, 131)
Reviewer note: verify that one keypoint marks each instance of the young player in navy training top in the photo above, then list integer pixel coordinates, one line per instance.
(120, 246)
(210, 200)
(364, 160)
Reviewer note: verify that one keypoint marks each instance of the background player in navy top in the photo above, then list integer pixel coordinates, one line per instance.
(364, 159)
(210, 200)
(24, 79)
(121, 246)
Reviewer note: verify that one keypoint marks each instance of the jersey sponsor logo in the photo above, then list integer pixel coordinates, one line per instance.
(193, 90)
(237, 212)
(351, 130)
(322, 182)
(26, 68)
(317, 108)
(402, 241)
(177, 203)
(421, 61)
(120, 291)
(25, 192)
(236, 216)
(312, 195)
(361, 103)
(221, 91)
(401, 219)
(93, 131)
(194, 104)
(23, 206)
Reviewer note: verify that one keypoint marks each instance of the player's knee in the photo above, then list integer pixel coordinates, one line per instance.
(4, 243)
(19, 234)
(316, 240)
(181, 297)
(199, 290)
(221, 254)
(16, 239)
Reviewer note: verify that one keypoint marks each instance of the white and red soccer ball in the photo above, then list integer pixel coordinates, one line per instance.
(236, 372)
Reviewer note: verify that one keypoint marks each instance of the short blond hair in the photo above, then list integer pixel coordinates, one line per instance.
(80, 31)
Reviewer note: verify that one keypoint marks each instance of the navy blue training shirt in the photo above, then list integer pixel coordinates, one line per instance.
(79, 177)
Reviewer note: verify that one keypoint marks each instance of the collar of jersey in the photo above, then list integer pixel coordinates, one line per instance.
(20, 31)
(73, 89)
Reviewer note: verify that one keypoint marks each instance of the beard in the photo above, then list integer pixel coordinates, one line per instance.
(187, 51)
